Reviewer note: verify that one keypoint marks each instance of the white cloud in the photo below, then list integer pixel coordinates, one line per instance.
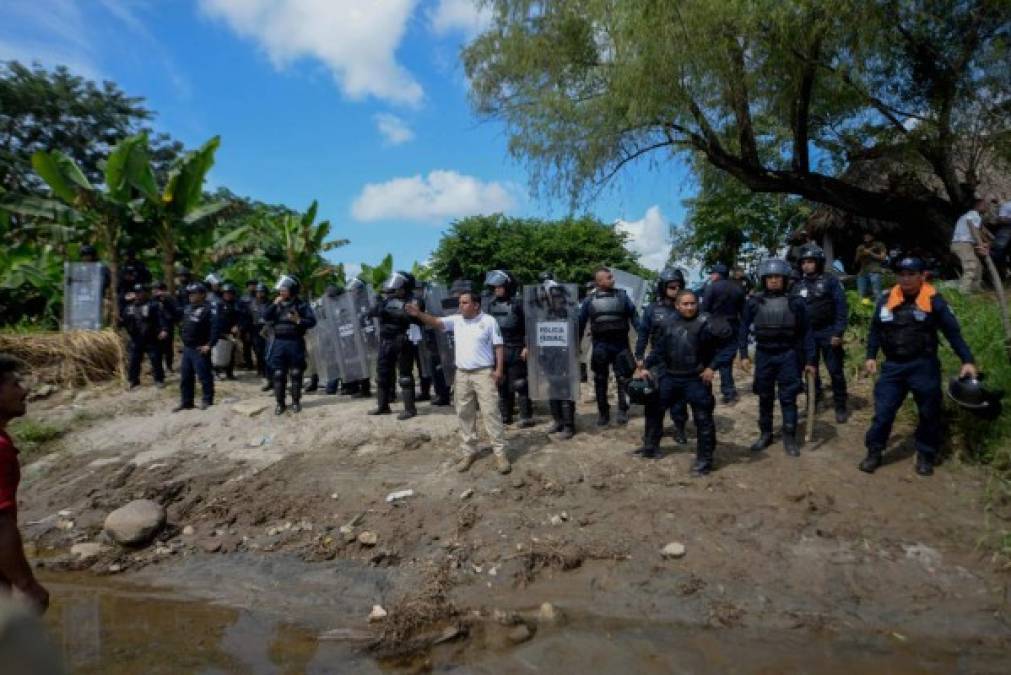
(648, 238)
(439, 195)
(464, 16)
(354, 39)
(393, 129)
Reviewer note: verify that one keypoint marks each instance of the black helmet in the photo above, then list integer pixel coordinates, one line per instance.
(261, 287)
(400, 279)
(969, 393)
(545, 276)
(640, 391)
(196, 287)
(228, 287)
(811, 252)
(290, 282)
(88, 249)
(667, 276)
(333, 290)
(774, 266)
(356, 285)
(129, 269)
(212, 279)
(500, 278)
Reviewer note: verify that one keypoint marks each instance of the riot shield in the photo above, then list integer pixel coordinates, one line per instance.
(552, 316)
(438, 302)
(368, 327)
(82, 296)
(635, 287)
(342, 314)
(328, 361)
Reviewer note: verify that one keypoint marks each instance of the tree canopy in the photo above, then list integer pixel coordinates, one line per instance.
(570, 248)
(780, 95)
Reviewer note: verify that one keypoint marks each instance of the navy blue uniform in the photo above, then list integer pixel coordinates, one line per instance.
(724, 299)
(396, 351)
(610, 314)
(654, 321)
(508, 312)
(199, 328)
(784, 344)
(828, 313)
(685, 348)
(144, 322)
(170, 310)
(290, 320)
(908, 337)
(257, 327)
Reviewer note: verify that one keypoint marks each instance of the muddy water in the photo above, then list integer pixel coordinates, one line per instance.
(112, 627)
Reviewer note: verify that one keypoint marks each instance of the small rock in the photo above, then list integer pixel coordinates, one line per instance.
(377, 614)
(65, 513)
(547, 613)
(673, 550)
(249, 408)
(334, 496)
(556, 520)
(400, 494)
(136, 523)
(520, 633)
(368, 538)
(518, 482)
(115, 567)
(211, 545)
(87, 550)
(164, 550)
(467, 494)
(189, 531)
(64, 524)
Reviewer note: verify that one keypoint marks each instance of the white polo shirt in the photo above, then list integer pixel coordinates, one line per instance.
(475, 339)
(962, 234)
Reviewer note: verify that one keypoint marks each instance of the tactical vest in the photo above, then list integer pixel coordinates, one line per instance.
(911, 333)
(285, 327)
(774, 321)
(661, 316)
(256, 310)
(505, 313)
(195, 330)
(141, 321)
(684, 346)
(820, 305)
(393, 318)
(607, 312)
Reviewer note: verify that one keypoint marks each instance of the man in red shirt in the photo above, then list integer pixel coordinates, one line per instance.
(15, 572)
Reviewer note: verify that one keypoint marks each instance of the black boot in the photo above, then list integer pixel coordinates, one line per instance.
(841, 414)
(603, 414)
(764, 441)
(680, 436)
(296, 390)
(279, 383)
(505, 408)
(790, 443)
(702, 466)
(568, 420)
(407, 389)
(526, 412)
(872, 461)
(313, 384)
(924, 465)
(364, 389)
(622, 417)
(556, 416)
(651, 435)
(382, 400)
(426, 390)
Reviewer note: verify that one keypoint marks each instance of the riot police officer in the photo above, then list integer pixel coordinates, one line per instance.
(213, 284)
(783, 341)
(553, 302)
(232, 321)
(256, 309)
(724, 298)
(682, 365)
(146, 324)
(396, 351)
(828, 313)
(170, 310)
(655, 320)
(199, 333)
(507, 310)
(245, 302)
(906, 321)
(289, 318)
(610, 313)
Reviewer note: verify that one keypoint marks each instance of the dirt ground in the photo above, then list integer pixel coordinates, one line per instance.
(809, 545)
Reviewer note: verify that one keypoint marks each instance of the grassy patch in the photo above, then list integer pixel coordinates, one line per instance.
(33, 436)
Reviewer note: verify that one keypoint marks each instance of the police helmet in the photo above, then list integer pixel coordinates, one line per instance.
(545, 276)
(228, 287)
(969, 393)
(667, 276)
(774, 266)
(196, 287)
(499, 278)
(261, 287)
(811, 252)
(356, 285)
(400, 279)
(130, 270)
(333, 290)
(212, 279)
(721, 269)
(88, 249)
(290, 282)
(640, 391)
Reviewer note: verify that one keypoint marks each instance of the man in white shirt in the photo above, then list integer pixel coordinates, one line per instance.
(479, 370)
(964, 244)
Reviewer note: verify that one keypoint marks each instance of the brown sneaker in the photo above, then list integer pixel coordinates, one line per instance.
(466, 461)
(502, 464)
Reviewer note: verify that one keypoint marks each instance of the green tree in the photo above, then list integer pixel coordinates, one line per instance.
(374, 276)
(570, 248)
(761, 88)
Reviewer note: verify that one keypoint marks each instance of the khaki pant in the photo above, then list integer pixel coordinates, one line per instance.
(471, 389)
(971, 268)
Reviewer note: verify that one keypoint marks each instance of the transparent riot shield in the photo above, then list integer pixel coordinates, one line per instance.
(368, 327)
(552, 316)
(82, 296)
(343, 315)
(328, 359)
(635, 287)
(438, 302)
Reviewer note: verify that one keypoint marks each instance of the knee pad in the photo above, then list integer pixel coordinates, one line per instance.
(406, 381)
(295, 374)
(278, 374)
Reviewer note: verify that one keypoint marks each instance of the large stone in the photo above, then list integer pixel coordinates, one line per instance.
(136, 523)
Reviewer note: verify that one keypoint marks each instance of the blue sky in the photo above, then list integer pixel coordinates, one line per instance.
(361, 104)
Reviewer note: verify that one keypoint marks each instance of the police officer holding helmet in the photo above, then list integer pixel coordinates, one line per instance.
(290, 317)
(507, 310)
(783, 341)
(828, 312)
(610, 313)
(906, 321)
(396, 351)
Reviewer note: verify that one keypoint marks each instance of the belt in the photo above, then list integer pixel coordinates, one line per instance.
(474, 370)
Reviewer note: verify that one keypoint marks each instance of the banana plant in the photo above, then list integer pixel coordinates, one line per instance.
(35, 275)
(375, 276)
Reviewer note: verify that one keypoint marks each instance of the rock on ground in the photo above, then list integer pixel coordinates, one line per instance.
(136, 523)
